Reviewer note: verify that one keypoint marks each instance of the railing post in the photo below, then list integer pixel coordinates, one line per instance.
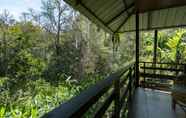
(137, 49)
(144, 71)
(184, 69)
(117, 99)
(155, 50)
(130, 84)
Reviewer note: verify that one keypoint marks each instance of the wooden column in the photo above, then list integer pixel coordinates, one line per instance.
(155, 46)
(144, 64)
(184, 69)
(137, 49)
(155, 50)
(130, 84)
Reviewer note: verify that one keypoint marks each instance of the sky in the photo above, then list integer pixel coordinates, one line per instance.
(16, 7)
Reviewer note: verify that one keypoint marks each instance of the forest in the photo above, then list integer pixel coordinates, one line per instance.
(48, 57)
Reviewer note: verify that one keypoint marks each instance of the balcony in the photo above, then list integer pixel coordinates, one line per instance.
(146, 98)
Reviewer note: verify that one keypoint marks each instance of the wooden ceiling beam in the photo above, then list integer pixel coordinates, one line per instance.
(125, 5)
(93, 14)
(118, 15)
(126, 19)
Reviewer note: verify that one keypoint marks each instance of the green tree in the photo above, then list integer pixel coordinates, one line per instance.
(176, 46)
(6, 20)
(55, 16)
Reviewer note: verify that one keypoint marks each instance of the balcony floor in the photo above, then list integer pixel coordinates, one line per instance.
(149, 103)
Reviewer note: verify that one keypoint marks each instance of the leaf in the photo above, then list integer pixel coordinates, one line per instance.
(34, 113)
(2, 112)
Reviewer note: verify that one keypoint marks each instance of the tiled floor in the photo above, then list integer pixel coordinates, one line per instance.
(153, 104)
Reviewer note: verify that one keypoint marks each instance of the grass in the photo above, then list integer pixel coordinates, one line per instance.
(34, 98)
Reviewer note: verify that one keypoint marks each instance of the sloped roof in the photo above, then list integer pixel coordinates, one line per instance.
(119, 15)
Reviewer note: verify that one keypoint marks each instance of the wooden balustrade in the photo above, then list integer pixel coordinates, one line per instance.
(159, 71)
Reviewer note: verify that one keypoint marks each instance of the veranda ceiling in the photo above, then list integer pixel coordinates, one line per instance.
(119, 15)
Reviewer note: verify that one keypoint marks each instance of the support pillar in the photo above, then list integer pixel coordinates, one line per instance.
(155, 46)
(155, 50)
(137, 49)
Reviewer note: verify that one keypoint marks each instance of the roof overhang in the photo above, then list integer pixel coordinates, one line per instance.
(119, 15)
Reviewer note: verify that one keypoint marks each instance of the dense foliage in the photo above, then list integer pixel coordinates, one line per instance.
(49, 56)
(171, 46)
(36, 97)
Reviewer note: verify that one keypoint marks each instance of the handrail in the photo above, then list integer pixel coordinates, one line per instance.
(78, 105)
(154, 67)
(173, 63)
(163, 69)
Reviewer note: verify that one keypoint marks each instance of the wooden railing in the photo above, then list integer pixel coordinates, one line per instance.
(159, 71)
(122, 88)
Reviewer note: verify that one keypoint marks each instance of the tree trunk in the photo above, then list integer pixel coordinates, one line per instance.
(57, 43)
(5, 65)
(58, 32)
